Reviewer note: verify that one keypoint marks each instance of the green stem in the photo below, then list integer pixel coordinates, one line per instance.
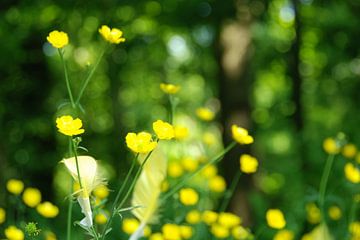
(217, 158)
(67, 78)
(352, 214)
(77, 164)
(114, 206)
(172, 109)
(230, 191)
(91, 73)
(323, 183)
(69, 217)
(134, 180)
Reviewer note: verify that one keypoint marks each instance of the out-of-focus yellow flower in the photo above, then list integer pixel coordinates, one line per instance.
(313, 213)
(156, 236)
(69, 126)
(209, 217)
(352, 173)
(169, 88)
(58, 39)
(47, 210)
(307, 236)
(217, 184)
(50, 236)
(31, 197)
(188, 196)
(241, 135)
(330, 146)
(164, 186)
(354, 228)
(334, 212)
(101, 192)
(171, 231)
(284, 235)
(209, 138)
(14, 233)
(113, 35)
(248, 164)
(275, 218)
(2, 215)
(130, 225)
(101, 218)
(219, 231)
(163, 130)
(193, 217)
(189, 164)
(349, 150)
(186, 232)
(141, 142)
(181, 132)
(15, 186)
(240, 233)
(209, 171)
(205, 114)
(175, 170)
(228, 220)
(147, 231)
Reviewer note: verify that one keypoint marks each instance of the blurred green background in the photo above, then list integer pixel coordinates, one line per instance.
(287, 70)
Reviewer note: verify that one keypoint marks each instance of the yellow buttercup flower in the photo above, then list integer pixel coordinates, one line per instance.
(58, 39)
(209, 138)
(219, 231)
(284, 235)
(175, 170)
(209, 171)
(130, 225)
(193, 217)
(15, 186)
(141, 142)
(47, 210)
(349, 150)
(354, 228)
(189, 164)
(69, 126)
(2, 215)
(171, 231)
(101, 218)
(156, 236)
(14, 233)
(205, 114)
(169, 88)
(313, 213)
(248, 164)
(217, 184)
(163, 130)
(32, 197)
(188, 196)
(240, 233)
(209, 217)
(186, 232)
(50, 236)
(228, 220)
(113, 35)
(101, 191)
(275, 218)
(330, 146)
(241, 135)
(334, 213)
(352, 173)
(181, 132)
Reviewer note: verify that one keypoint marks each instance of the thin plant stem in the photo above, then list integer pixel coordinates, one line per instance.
(188, 177)
(77, 164)
(67, 78)
(352, 214)
(324, 181)
(172, 109)
(114, 206)
(134, 180)
(230, 192)
(69, 217)
(91, 73)
(322, 189)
